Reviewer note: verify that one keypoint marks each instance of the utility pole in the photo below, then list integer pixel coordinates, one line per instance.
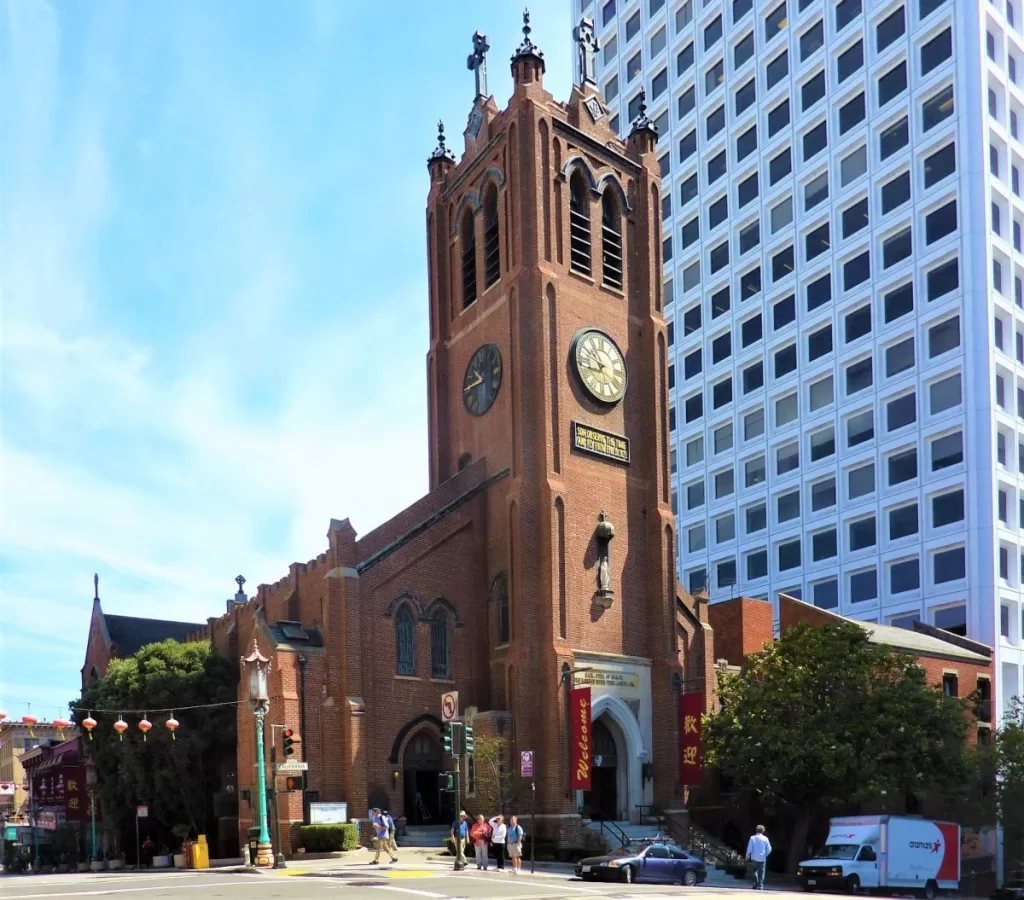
(458, 742)
(279, 861)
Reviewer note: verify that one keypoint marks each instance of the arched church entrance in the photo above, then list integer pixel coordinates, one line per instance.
(422, 764)
(604, 799)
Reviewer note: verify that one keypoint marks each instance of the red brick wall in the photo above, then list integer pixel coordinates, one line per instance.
(742, 626)
(793, 612)
(538, 523)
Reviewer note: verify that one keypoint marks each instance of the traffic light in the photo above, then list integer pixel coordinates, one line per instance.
(295, 782)
(447, 781)
(468, 741)
(290, 740)
(446, 736)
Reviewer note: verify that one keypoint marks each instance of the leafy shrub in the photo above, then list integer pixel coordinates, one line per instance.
(329, 838)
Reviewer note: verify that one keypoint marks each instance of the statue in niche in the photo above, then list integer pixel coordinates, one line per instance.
(604, 533)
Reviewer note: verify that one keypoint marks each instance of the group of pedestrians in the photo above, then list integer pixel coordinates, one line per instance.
(487, 835)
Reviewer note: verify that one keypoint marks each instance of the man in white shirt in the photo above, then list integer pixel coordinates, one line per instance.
(758, 850)
(499, 832)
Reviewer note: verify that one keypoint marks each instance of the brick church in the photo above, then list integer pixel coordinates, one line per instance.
(543, 556)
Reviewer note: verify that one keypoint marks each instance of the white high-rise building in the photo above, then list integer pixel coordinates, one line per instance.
(843, 259)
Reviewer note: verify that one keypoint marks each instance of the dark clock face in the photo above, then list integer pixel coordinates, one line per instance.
(482, 380)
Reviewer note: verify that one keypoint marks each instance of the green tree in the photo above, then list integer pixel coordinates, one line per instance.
(499, 788)
(1009, 785)
(824, 719)
(177, 776)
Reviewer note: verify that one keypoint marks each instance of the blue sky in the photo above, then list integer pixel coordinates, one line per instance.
(212, 277)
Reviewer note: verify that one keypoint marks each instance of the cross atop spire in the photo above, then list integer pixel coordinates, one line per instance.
(441, 152)
(641, 124)
(477, 63)
(586, 51)
(528, 49)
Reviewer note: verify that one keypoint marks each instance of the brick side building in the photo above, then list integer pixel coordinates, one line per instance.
(743, 625)
(960, 666)
(544, 553)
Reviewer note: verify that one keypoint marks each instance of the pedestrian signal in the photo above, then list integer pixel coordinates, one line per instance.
(295, 782)
(447, 781)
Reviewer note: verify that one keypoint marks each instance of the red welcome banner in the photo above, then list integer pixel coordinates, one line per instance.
(582, 744)
(690, 709)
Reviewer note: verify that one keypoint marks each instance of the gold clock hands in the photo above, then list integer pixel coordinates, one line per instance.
(469, 387)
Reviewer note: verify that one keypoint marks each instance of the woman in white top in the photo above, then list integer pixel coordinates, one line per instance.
(499, 831)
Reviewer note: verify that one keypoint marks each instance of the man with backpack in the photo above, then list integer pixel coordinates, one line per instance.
(380, 837)
(515, 843)
(392, 843)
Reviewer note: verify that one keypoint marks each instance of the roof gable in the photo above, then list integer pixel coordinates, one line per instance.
(130, 634)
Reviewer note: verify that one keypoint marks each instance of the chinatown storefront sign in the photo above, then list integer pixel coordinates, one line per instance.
(690, 708)
(582, 743)
(62, 787)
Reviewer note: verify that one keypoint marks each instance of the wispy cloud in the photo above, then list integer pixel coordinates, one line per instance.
(212, 278)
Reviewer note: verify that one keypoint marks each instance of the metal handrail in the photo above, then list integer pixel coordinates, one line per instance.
(613, 829)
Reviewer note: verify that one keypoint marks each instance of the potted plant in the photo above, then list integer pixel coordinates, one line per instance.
(180, 833)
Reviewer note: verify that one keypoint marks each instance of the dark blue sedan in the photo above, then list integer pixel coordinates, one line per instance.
(660, 863)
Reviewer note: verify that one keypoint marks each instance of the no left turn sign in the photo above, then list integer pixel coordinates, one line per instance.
(449, 706)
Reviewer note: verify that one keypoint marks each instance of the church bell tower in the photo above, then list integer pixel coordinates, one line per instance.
(548, 360)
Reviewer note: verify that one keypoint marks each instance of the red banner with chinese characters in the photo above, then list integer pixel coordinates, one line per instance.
(76, 796)
(582, 742)
(690, 709)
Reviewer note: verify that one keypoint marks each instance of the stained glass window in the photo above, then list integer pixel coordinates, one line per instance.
(404, 630)
(439, 650)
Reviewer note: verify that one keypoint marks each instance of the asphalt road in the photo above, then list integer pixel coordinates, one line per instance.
(359, 883)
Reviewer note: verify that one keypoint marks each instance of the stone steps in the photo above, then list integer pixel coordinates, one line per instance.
(424, 836)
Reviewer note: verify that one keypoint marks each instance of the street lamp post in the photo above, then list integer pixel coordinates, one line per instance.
(256, 667)
(90, 784)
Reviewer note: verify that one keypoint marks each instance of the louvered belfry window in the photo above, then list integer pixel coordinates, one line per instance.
(579, 225)
(611, 241)
(492, 252)
(468, 260)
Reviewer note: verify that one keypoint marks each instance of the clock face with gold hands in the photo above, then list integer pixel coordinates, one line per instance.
(482, 380)
(600, 365)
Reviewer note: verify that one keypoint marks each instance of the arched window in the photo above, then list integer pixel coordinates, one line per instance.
(499, 593)
(579, 224)
(492, 255)
(468, 236)
(440, 655)
(405, 640)
(611, 241)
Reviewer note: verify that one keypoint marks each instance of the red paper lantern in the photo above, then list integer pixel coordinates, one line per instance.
(30, 720)
(3, 714)
(144, 726)
(60, 723)
(172, 725)
(120, 726)
(89, 723)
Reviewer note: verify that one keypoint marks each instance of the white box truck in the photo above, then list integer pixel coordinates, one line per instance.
(885, 854)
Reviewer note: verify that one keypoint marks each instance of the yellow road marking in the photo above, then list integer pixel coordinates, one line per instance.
(402, 873)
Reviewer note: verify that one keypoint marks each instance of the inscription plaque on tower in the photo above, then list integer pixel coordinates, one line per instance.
(600, 443)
